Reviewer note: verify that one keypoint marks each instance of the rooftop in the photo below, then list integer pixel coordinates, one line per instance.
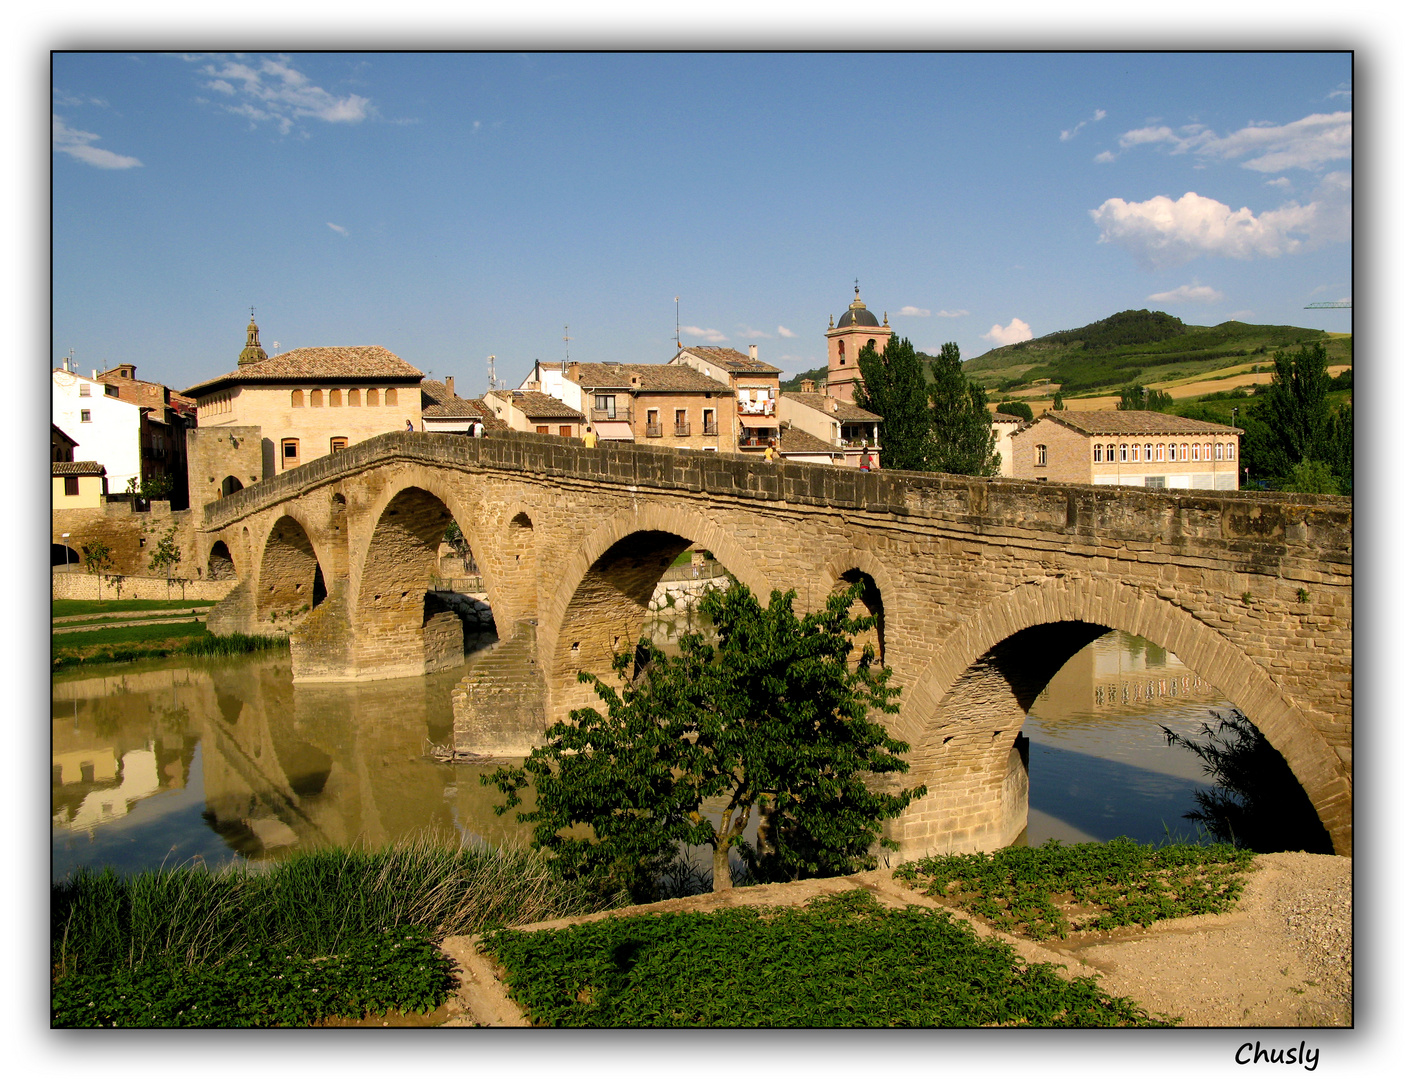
(659, 378)
(79, 468)
(1134, 422)
(730, 360)
(832, 406)
(436, 401)
(330, 363)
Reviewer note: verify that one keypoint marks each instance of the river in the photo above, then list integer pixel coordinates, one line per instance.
(213, 761)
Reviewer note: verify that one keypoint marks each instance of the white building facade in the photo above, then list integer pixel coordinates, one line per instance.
(107, 429)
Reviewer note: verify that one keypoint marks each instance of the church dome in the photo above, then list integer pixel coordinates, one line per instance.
(858, 314)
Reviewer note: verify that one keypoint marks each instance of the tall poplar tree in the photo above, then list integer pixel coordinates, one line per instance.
(962, 438)
(1294, 423)
(894, 387)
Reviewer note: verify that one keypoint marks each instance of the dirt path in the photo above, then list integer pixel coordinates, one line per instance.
(1281, 959)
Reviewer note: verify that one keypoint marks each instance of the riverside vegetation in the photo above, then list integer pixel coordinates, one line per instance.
(149, 630)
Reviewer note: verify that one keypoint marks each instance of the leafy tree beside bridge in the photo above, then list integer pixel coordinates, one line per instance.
(773, 719)
(1292, 437)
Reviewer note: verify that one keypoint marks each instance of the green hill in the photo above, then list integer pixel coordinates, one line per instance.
(1138, 347)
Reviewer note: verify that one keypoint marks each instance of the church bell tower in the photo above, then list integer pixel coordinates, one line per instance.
(857, 327)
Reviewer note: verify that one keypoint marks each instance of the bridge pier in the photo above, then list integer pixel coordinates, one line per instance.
(327, 647)
(500, 706)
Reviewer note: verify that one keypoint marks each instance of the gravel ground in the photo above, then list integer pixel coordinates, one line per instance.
(1282, 958)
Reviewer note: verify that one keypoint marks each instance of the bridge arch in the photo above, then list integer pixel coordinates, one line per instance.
(219, 564)
(852, 567)
(602, 600)
(1034, 629)
(290, 578)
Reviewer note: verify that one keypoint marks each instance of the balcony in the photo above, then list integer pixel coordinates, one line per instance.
(626, 414)
(682, 429)
(653, 431)
(710, 427)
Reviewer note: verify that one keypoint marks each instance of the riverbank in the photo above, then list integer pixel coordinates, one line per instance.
(1281, 958)
(99, 632)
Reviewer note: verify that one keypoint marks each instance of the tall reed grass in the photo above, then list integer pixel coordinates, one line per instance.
(310, 903)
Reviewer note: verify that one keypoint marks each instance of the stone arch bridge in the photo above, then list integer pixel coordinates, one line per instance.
(983, 588)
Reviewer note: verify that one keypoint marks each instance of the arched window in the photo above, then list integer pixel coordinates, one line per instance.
(1122, 452)
(1041, 455)
(1161, 451)
(1136, 452)
(1185, 452)
(390, 397)
(297, 399)
(1195, 452)
(373, 397)
(353, 398)
(841, 354)
(1219, 451)
(1229, 451)
(1146, 452)
(1097, 451)
(872, 344)
(1172, 455)
(334, 398)
(316, 401)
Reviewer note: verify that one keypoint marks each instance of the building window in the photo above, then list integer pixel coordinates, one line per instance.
(1136, 452)
(373, 397)
(1146, 452)
(1229, 451)
(653, 429)
(681, 427)
(841, 354)
(110, 391)
(1195, 452)
(1156, 481)
(709, 421)
(338, 443)
(1185, 452)
(316, 401)
(334, 398)
(1172, 456)
(297, 399)
(353, 398)
(1122, 452)
(564, 431)
(84, 390)
(1219, 451)
(85, 416)
(1097, 451)
(605, 403)
(1161, 451)
(1207, 451)
(1041, 456)
(290, 453)
(70, 485)
(390, 396)
(872, 344)
(543, 429)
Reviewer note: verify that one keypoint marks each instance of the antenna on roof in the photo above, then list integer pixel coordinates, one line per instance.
(567, 339)
(677, 334)
(492, 373)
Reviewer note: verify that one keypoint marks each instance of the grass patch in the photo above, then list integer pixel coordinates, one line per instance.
(122, 643)
(1052, 891)
(60, 608)
(840, 961)
(342, 932)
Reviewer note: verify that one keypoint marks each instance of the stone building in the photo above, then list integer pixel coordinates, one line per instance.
(664, 404)
(296, 407)
(755, 384)
(842, 426)
(165, 419)
(531, 410)
(857, 327)
(1129, 447)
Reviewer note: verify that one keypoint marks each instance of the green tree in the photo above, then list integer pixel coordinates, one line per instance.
(1292, 423)
(1311, 478)
(1141, 399)
(772, 719)
(97, 557)
(1058, 401)
(1020, 409)
(165, 557)
(962, 439)
(893, 386)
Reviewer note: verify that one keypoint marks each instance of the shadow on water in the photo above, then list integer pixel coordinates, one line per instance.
(1076, 797)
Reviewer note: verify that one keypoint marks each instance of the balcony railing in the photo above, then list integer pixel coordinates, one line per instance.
(625, 413)
(653, 431)
(710, 428)
(682, 429)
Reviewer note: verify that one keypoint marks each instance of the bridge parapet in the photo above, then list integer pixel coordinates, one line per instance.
(1259, 525)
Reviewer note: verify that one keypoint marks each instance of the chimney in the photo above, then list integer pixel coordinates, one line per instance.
(753, 352)
(532, 384)
(449, 385)
(573, 372)
(807, 386)
(834, 405)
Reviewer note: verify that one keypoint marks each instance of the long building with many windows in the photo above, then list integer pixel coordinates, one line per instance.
(1130, 447)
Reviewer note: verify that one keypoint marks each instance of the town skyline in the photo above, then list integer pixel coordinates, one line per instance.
(453, 206)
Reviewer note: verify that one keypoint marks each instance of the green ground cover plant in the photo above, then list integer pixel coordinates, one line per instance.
(61, 608)
(335, 932)
(122, 643)
(1053, 890)
(840, 961)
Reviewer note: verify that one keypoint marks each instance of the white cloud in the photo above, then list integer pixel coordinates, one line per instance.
(920, 312)
(1183, 294)
(1161, 232)
(271, 90)
(78, 144)
(1309, 143)
(1281, 182)
(712, 336)
(748, 332)
(1098, 114)
(1105, 157)
(338, 229)
(1018, 330)
(783, 332)
(944, 314)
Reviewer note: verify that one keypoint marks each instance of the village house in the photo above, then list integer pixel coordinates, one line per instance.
(94, 417)
(444, 411)
(166, 417)
(1129, 447)
(754, 383)
(846, 430)
(275, 413)
(531, 410)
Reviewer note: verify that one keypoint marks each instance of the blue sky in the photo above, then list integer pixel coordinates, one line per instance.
(454, 206)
